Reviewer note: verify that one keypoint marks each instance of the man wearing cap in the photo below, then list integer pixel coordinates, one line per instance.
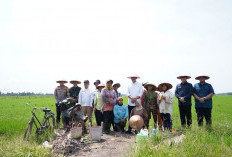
(74, 91)
(203, 93)
(85, 100)
(116, 86)
(184, 92)
(98, 102)
(60, 93)
(134, 92)
(96, 83)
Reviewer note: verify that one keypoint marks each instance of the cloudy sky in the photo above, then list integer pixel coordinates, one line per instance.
(45, 40)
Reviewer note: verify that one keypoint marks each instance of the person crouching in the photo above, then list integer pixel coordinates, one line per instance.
(120, 115)
(139, 110)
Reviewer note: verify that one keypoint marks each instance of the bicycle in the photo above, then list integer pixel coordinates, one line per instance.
(48, 122)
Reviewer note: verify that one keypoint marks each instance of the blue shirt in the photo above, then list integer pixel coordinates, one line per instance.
(184, 90)
(120, 112)
(202, 90)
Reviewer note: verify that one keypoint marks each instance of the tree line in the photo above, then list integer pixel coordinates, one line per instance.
(23, 94)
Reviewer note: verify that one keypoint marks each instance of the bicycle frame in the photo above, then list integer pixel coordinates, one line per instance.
(34, 117)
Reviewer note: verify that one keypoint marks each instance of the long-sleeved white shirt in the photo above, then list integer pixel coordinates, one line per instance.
(85, 97)
(134, 90)
(93, 95)
(165, 106)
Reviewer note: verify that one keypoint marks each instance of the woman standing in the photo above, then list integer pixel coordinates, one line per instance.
(150, 104)
(98, 104)
(166, 99)
(109, 100)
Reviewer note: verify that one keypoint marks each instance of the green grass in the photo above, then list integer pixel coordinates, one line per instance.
(216, 141)
(203, 141)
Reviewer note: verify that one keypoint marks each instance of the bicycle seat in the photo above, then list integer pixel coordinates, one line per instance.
(46, 110)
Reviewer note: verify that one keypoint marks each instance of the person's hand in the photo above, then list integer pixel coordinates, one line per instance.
(202, 100)
(133, 100)
(111, 103)
(94, 109)
(182, 100)
(163, 98)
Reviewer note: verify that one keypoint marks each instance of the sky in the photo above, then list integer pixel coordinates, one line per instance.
(42, 41)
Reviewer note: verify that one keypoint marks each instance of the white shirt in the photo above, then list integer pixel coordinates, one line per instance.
(134, 90)
(166, 105)
(85, 97)
(93, 95)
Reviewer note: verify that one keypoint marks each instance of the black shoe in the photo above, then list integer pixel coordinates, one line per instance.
(128, 132)
(67, 130)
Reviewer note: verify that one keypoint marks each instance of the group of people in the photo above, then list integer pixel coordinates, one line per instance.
(144, 99)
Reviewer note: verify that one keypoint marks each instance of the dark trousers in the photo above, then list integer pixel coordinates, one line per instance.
(167, 121)
(58, 113)
(120, 126)
(130, 109)
(108, 118)
(185, 115)
(204, 112)
(99, 117)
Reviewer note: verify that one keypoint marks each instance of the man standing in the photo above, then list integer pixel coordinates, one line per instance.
(184, 92)
(85, 100)
(134, 92)
(203, 93)
(74, 91)
(96, 83)
(60, 93)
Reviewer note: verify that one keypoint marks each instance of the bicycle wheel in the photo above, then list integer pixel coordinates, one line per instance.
(28, 129)
(49, 123)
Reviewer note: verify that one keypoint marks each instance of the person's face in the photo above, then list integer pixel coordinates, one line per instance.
(100, 88)
(164, 87)
(133, 79)
(149, 87)
(75, 84)
(96, 84)
(61, 83)
(86, 85)
(120, 102)
(109, 84)
(183, 79)
(202, 79)
(116, 87)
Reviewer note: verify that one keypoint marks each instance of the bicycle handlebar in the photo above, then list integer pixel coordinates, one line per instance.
(35, 107)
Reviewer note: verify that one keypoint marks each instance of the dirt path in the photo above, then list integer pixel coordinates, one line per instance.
(113, 145)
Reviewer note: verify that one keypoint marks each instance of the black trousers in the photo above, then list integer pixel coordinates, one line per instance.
(99, 117)
(185, 115)
(167, 121)
(120, 126)
(108, 119)
(58, 113)
(129, 110)
(204, 112)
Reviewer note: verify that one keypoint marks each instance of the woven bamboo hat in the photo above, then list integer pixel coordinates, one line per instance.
(150, 84)
(75, 81)
(202, 75)
(169, 86)
(181, 76)
(61, 80)
(134, 75)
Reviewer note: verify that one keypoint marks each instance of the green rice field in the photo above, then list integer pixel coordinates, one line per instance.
(214, 141)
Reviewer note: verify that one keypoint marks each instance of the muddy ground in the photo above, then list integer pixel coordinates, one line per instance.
(113, 145)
